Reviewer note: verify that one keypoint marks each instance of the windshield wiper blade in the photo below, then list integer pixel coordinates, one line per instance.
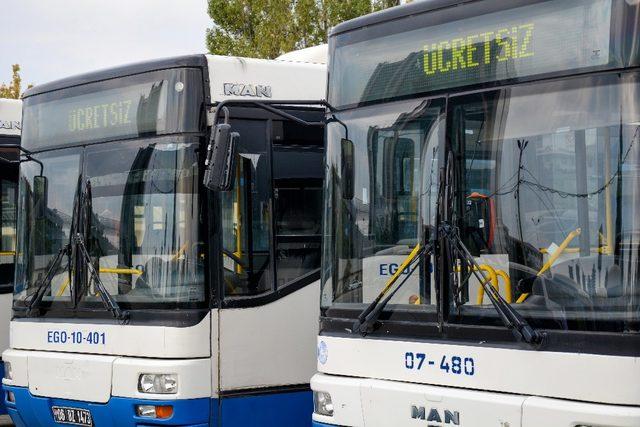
(511, 318)
(368, 318)
(54, 265)
(107, 299)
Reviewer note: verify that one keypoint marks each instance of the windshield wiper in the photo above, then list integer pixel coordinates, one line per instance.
(54, 265)
(368, 319)
(107, 299)
(513, 320)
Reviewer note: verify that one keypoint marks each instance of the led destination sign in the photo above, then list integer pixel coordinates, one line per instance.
(476, 50)
(155, 103)
(545, 37)
(114, 114)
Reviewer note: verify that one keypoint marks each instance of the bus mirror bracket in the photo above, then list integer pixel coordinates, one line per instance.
(220, 162)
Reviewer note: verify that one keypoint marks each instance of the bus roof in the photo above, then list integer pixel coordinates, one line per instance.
(396, 12)
(232, 77)
(295, 76)
(119, 71)
(10, 116)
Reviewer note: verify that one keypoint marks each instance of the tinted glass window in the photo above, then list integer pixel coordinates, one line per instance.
(157, 103)
(298, 205)
(484, 43)
(372, 230)
(247, 215)
(548, 195)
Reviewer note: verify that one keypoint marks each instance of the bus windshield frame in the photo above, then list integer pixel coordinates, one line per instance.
(438, 299)
(129, 186)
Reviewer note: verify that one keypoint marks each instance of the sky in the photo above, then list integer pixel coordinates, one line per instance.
(52, 39)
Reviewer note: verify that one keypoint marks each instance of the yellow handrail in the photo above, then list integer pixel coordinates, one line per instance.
(7, 253)
(130, 271)
(507, 285)
(493, 278)
(400, 270)
(552, 259)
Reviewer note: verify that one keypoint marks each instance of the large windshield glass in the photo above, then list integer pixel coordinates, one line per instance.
(380, 194)
(548, 196)
(144, 227)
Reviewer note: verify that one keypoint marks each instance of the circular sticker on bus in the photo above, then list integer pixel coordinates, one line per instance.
(323, 352)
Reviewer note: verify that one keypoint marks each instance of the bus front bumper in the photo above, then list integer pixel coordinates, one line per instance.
(381, 403)
(27, 410)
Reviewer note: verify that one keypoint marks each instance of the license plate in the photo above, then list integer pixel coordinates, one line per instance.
(72, 416)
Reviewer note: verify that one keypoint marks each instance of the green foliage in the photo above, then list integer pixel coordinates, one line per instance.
(269, 28)
(13, 89)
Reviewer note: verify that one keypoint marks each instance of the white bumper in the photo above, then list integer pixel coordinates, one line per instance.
(370, 402)
(93, 378)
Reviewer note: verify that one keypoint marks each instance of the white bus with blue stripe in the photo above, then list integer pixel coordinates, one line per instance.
(481, 261)
(10, 124)
(144, 298)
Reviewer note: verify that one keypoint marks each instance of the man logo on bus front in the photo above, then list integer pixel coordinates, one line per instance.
(240, 89)
(435, 416)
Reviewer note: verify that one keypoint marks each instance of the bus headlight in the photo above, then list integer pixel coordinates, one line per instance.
(8, 372)
(158, 383)
(322, 403)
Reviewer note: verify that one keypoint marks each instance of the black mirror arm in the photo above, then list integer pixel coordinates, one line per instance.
(28, 154)
(269, 106)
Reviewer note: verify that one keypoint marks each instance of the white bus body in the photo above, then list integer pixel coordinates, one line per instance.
(237, 353)
(504, 137)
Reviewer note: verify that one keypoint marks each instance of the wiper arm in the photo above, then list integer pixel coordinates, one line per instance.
(107, 299)
(54, 265)
(513, 320)
(369, 316)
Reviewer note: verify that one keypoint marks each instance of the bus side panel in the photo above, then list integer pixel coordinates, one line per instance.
(271, 345)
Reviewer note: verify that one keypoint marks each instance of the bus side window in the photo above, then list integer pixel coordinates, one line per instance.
(298, 206)
(246, 217)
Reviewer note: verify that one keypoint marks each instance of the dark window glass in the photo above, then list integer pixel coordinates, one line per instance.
(156, 103)
(484, 43)
(298, 206)
(144, 226)
(271, 219)
(43, 232)
(548, 179)
(246, 216)
(370, 231)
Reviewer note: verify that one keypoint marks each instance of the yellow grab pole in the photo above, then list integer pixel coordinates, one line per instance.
(552, 259)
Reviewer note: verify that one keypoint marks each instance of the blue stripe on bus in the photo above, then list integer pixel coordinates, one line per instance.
(266, 410)
(274, 409)
(3, 407)
(317, 424)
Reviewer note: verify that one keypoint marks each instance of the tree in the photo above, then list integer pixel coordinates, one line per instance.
(269, 28)
(13, 90)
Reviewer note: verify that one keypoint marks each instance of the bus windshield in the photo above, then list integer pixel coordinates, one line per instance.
(544, 191)
(143, 226)
(140, 213)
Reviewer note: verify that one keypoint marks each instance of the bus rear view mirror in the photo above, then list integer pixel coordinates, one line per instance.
(40, 195)
(221, 154)
(346, 169)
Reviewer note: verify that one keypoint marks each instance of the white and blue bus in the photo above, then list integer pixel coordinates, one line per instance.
(10, 119)
(481, 258)
(144, 297)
